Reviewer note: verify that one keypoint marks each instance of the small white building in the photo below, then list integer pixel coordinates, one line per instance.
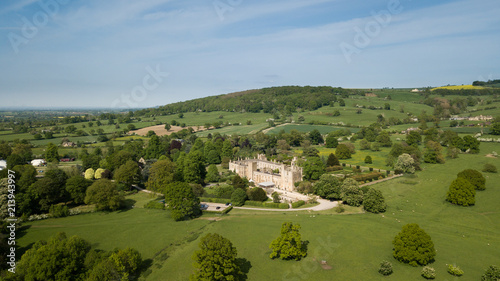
(38, 162)
(3, 164)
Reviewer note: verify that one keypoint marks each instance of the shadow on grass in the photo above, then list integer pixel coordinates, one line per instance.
(128, 204)
(146, 268)
(245, 266)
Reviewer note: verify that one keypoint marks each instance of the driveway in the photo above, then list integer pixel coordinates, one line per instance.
(323, 205)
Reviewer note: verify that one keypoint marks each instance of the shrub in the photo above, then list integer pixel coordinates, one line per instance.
(413, 246)
(491, 274)
(455, 270)
(238, 197)
(298, 204)
(340, 208)
(385, 268)
(489, 168)
(461, 192)
(257, 194)
(369, 176)
(58, 211)
(283, 206)
(428, 272)
(215, 200)
(474, 177)
(223, 191)
(334, 168)
(368, 159)
(155, 204)
(374, 201)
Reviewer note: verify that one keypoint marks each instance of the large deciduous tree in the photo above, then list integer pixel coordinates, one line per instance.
(374, 201)
(313, 168)
(342, 151)
(328, 186)
(51, 154)
(351, 194)
(414, 138)
(474, 177)
(405, 164)
(461, 192)
(257, 194)
(216, 260)
(77, 186)
(315, 137)
(161, 174)
(104, 195)
(289, 245)
(60, 258)
(181, 201)
(238, 197)
(194, 167)
(213, 174)
(331, 141)
(433, 153)
(128, 174)
(414, 246)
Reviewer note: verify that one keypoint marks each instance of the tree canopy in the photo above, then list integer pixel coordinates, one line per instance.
(104, 195)
(414, 246)
(216, 260)
(181, 201)
(474, 177)
(374, 201)
(343, 152)
(461, 192)
(289, 245)
(328, 186)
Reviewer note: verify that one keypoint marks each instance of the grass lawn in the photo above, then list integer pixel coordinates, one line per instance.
(354, 244)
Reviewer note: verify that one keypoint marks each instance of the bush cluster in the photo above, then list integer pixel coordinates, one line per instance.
(58, 211)
(461, 193)
(385, 268)
(489, 168)
(491, 274)
(298, 204)
(455, 270)
(474, 177)
(267, 204)
(428, 272)
(215, 200)
(334, 168)
(368, 177)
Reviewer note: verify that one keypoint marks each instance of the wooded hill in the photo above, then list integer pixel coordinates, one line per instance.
(266, 100)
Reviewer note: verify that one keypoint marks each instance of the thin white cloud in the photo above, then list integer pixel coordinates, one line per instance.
(19, 5)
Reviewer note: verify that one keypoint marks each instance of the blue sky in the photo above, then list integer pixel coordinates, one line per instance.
(124, 53)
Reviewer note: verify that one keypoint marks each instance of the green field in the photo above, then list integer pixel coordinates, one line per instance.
(353, 245)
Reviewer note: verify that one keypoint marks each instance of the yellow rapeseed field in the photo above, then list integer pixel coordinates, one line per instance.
(459, 87)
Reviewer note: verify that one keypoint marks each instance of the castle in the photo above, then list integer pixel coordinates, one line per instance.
(261, 170)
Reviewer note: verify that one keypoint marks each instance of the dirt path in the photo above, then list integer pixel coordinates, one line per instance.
(281, 125)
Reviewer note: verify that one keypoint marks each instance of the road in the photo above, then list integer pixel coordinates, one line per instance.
(323, 205)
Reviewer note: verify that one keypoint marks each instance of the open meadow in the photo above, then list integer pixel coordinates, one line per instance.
(352, 244)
